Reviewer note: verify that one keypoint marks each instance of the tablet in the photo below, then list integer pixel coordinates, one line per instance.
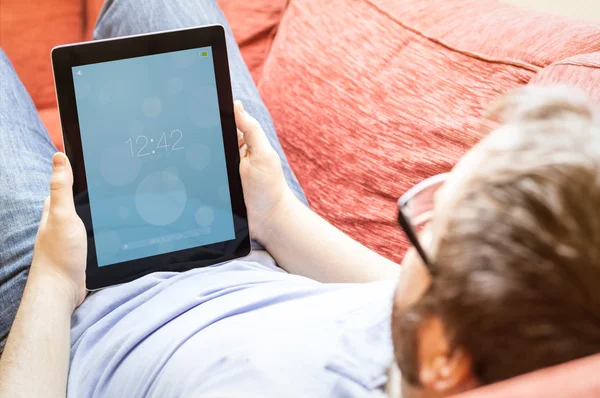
(148, 126)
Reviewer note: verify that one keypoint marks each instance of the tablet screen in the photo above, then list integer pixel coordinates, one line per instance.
(154, 157)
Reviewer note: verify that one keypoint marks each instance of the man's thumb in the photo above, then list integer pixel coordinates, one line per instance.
(61, 185)
(254, 136)
(45, 211)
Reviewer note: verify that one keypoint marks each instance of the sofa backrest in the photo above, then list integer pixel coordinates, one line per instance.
(372, 96)
(582, 71)
(28, 31)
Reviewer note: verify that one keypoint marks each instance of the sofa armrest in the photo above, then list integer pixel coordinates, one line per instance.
(582, 71)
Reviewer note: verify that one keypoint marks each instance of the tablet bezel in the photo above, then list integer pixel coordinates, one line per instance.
(64, 58)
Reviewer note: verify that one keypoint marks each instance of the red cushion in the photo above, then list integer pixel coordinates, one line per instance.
(582, 71)
(372, 96)
(576, 379)
(28, 31)
(254, 25)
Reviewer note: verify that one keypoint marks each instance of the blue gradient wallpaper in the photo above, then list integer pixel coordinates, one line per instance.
(153, 153)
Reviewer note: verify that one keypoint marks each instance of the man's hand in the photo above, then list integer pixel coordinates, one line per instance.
(299, 240)
(39, 340)
(61, 245)
(265, 189)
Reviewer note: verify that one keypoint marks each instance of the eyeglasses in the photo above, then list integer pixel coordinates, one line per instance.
(415, 210)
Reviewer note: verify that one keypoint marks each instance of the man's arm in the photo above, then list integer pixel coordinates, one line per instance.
(303, 243)
(35, 362)
(300, 241)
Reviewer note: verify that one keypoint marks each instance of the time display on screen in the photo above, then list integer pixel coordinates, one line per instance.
(146, 146)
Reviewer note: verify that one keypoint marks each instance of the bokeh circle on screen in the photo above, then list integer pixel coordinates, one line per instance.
(160, 198)
(205, 216)
(198, 156)
(114, 172)
(152, 106)
(173, 85)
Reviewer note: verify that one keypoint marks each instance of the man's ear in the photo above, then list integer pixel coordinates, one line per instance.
(441, 369)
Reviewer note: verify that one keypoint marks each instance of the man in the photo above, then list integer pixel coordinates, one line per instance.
(513, 257)
(501, 282)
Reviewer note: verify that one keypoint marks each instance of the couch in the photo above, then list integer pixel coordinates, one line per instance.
(369, 97)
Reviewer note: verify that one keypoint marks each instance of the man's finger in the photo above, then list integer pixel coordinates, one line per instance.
(243, 151)
(254, 136)
(61, 185)
(45, 211)
(241, 141)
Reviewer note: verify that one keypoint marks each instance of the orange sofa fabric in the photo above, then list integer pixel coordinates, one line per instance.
(581, 71)
(92, 11)
(370, 97)
(29, 30)
(254, 25)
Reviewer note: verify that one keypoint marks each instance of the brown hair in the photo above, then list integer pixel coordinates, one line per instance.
(517, 269)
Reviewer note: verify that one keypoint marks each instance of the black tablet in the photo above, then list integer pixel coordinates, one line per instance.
(148, 126)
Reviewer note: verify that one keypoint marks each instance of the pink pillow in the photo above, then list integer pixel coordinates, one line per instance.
(582, 71)
(371, 96)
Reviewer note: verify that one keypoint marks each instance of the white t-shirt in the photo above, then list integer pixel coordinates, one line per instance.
(241, 329)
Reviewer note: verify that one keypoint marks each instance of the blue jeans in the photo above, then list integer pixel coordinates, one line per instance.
(26, 149)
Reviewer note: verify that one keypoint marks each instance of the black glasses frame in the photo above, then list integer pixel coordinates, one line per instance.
(412, 237)
(433, 182)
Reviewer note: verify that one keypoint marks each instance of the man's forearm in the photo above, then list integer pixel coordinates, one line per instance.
(35, 362)
(303, 243)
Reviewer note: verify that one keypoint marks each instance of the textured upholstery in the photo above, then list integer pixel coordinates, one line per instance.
(582, 71)
(372, 96)
(92, 10)
(254, 24)
(28, 31)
